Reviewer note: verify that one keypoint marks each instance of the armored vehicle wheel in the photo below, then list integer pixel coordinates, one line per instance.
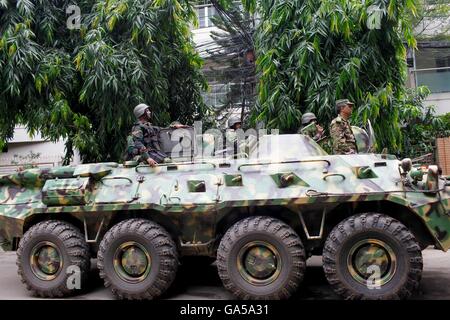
(261, 258)
(49, 257)
(372, 256)
(138, 259)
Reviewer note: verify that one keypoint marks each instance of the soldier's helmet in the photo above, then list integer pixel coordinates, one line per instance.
(140, 110)
(308, 117)
(232, 121)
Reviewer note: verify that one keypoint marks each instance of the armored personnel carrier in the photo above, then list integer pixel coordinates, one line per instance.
(261, 215)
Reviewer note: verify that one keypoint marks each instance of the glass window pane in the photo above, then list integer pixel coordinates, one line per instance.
(211, 13)
(432, 58)
(201, 17)
(437, 59)
(437, 81)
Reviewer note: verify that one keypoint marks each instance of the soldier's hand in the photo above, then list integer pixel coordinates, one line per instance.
(152, 162)
(319, 129)
(143, 149)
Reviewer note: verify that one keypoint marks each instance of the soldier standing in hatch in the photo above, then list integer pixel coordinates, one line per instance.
(310, 127)
(342, 137)
(143, 143)
(231, 135)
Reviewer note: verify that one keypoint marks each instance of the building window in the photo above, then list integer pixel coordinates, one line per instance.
(204, 14)
(218, 95)
(432, 68)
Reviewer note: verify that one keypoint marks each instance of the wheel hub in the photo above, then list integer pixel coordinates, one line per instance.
(259, 263)
(372, 261)
(45, 261)
(132, 262)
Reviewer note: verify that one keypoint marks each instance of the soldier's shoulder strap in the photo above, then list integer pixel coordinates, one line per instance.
(138, 124)
(338, 119)
(138, 129)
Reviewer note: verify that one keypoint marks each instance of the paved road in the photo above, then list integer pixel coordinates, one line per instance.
(203, 282)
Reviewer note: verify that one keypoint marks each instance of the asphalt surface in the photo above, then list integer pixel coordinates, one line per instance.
(202, 282)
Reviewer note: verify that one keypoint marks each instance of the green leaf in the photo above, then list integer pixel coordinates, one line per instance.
(112, 22)
(12, 50)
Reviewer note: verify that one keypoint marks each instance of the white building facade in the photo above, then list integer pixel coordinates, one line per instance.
(430, 66)
(25, 151)
(430, 63)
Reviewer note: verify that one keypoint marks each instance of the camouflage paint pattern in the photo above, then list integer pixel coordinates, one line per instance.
(288, 171)
(46, 261)
(368, 253)
(259, 263)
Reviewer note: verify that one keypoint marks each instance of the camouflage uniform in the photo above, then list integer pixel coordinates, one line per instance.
(312, 132)
(310, 128)
(322, 140)
(343, 139)
(144, 135)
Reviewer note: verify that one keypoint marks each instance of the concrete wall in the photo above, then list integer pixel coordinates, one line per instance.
(50, 153)
(441, 101)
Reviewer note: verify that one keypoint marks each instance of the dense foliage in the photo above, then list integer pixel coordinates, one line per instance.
(82, 84)
(311, 53)
(420, 126)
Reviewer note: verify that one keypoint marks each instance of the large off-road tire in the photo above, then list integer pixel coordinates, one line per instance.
(138, 259)
(49, 257)
(372, 256)
(261, 258)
